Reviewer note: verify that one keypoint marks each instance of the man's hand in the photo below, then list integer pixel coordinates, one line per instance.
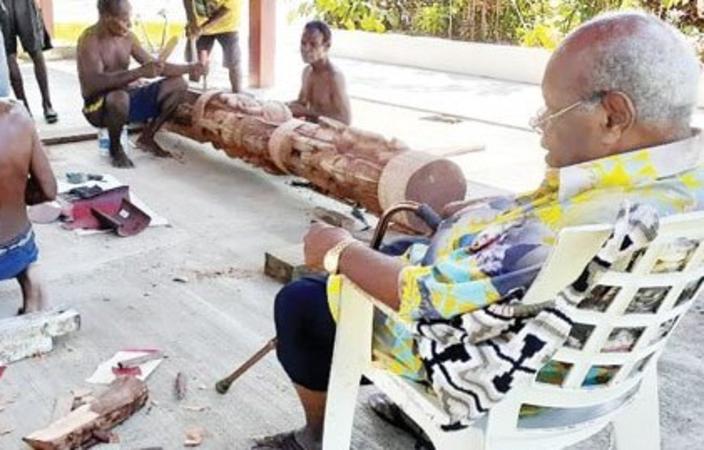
(297, 109)
(196, 70)
(319, 239)
(152, 69)
(193, 31)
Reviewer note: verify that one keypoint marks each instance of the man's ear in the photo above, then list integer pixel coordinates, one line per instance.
(620, 115)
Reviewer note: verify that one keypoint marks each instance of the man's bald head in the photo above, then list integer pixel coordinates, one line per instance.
(631, 81)
(640, 55)
(115, 16)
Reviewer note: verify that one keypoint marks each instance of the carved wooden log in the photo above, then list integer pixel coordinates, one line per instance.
(85, 425)
(340, 161)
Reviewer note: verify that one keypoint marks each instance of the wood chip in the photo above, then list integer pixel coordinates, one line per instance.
(194, 408)
(194, 436)
(6, 430)
(180, 386)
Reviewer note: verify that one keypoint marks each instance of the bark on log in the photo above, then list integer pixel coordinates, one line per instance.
(78, 429)
(340, 161)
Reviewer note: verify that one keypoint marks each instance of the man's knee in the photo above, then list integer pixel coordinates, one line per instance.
(296, 297)
(36, 56)
(118, 102)
(174, 85)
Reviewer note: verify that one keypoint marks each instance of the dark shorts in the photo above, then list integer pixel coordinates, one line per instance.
(230, 43)
(17, 255)
(305, 329)
(144, 103)
(22, 19)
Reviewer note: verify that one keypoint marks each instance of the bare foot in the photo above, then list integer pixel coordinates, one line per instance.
(120, 159)
(148, 144)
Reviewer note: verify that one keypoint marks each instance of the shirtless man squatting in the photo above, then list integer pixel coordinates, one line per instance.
(112, 99)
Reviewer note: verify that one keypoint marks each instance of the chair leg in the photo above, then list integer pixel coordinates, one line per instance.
(638, 427)
(350, 358)
(469, 439)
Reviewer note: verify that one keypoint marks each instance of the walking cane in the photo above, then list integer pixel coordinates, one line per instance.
(423, 211)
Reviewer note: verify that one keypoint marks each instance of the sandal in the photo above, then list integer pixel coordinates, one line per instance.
(281, 441)
(51, 116)
(390, 413)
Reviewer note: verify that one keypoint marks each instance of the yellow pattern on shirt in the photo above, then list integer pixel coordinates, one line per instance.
(669, 178)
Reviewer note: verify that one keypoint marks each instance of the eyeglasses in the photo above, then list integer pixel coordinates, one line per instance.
(540, 121)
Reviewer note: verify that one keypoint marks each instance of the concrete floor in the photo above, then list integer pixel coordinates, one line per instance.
(224, 215)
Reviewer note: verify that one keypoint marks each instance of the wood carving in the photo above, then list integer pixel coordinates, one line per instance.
(340, 161)
(88, 424)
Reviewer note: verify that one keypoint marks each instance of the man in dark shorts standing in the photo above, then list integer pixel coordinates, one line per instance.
(114, 95)
(22, 19)
(211, 20)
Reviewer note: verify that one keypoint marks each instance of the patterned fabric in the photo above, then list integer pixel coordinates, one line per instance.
(474, 359)
(204, 9)
(496, 247)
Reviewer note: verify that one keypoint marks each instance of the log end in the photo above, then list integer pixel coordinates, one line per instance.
(419, 177)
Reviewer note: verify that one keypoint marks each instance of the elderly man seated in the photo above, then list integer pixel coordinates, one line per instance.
(619, 95)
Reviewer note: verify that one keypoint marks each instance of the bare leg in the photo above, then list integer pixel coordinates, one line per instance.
(117, 107)
(313, 403)
(170, 96)
(33, 296)
(16, 80)
(235, 78)
(40, 72)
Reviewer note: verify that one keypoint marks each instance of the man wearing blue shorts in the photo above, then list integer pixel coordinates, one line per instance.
(25, 179)
(112, 98)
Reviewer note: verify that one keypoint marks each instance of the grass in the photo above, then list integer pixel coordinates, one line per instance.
(67, 33)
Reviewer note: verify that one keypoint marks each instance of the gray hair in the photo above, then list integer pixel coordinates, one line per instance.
(651, 62)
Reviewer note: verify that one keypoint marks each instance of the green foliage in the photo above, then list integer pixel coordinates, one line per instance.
(540, 23)
(348, 14)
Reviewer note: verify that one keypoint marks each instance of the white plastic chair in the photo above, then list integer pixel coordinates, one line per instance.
(666, 278)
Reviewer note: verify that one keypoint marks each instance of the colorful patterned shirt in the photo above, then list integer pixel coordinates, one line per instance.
(495, 246)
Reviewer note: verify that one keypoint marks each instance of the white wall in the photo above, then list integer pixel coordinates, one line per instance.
(505, 62)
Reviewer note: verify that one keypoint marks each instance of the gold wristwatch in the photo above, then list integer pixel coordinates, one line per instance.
(331, 260)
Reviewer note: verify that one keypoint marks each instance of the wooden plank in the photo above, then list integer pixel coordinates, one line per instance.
(89, 423)
(61, 136)
(68, 136)
(32, 334)
(286, 264)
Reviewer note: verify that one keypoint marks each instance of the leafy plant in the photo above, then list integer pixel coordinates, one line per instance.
(540, 23)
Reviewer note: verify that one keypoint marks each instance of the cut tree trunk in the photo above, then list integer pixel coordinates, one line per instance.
(340, 161)
(85, 425)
